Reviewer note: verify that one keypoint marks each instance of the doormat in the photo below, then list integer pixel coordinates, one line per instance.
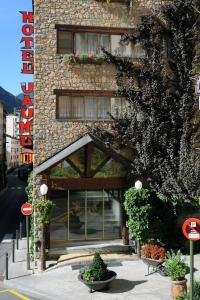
(87, 263)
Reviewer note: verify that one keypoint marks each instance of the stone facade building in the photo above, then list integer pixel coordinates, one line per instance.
(12, 142)
(74, 88)
(2, 147)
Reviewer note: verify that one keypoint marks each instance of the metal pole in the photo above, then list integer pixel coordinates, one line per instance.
(191, 268)
(6, 266)
(13, 251)
(20, 230)
(27, 240)
(17, 239)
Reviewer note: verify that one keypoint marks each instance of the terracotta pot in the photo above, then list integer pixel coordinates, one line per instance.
(178, 288)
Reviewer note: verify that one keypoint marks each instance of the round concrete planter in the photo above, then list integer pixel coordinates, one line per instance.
(98, 285)
(178, 288)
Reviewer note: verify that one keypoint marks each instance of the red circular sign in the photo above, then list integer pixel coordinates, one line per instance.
(26, 209)
(191, 229)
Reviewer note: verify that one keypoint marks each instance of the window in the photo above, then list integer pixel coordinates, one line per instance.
(83, 107)
(86, 42)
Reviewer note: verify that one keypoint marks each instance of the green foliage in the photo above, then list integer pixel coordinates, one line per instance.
(84, 56)
(185, 297)
(158, 124)
(99, 57)
(175, 266)
(68, 58)
(97, 270)
(138, 209)
(196, 290)
(88, 275)
(44, 208)
(29, 188)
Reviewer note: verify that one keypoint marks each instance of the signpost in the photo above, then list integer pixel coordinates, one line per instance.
(27, 210)
(191, 230)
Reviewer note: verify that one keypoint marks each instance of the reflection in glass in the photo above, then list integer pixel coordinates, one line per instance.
(94, 214)
(59, 224)
(77, 215)
(111, 169)
(111, 214)
(63, 170)
(78, 159)
(97, 157)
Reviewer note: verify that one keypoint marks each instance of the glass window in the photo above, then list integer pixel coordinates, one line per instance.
(87, 42)
(63, 170)
(77, 107)
(88, 108)
(111, 169)
(78, 159)
(64, 107)
(65, 42)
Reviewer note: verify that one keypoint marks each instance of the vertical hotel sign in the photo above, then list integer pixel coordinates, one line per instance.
(26, 111)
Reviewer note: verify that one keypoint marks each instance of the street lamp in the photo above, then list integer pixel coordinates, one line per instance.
(138, 185)
(43, 191)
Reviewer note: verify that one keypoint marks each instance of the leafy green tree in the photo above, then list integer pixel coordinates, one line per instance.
(161, 127)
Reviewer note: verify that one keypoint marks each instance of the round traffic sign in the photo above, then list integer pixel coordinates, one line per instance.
(191, 229)
(26, 209)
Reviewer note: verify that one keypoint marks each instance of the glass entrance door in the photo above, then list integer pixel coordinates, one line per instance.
(86, 215)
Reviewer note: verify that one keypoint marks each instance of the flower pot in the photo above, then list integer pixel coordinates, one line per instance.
(178, 288)
(98, 285)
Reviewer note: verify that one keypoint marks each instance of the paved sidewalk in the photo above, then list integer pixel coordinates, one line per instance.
(63, 284)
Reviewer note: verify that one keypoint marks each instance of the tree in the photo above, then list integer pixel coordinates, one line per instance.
(161, 126)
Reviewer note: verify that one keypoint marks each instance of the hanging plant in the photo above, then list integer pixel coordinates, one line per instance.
(44, 208)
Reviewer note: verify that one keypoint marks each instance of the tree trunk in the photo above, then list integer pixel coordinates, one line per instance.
(138, 249)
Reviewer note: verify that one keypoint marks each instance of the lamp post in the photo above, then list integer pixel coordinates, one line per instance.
(138, 186)
(43, 191)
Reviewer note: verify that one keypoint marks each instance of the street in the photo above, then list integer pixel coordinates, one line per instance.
(11, 294)
(10, 204)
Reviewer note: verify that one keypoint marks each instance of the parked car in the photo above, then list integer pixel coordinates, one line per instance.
(24, 170)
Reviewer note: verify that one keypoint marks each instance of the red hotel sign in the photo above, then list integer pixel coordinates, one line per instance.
(25, 126)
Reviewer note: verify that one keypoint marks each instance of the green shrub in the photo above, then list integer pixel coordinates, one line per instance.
(175, 266)
(97, 270)
(88, 275)
(196, 290)
(185, 297)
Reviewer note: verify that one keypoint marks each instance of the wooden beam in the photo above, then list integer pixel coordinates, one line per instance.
(74, 167)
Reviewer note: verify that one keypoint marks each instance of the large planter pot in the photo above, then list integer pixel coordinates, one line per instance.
(178, 288)
(98, 285)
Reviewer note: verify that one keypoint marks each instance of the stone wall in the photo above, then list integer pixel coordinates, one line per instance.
(51, 135)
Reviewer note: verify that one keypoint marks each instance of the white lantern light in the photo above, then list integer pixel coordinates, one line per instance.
(138, 185)
(43, 189)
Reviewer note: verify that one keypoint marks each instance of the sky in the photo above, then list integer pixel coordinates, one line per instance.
(10, 36)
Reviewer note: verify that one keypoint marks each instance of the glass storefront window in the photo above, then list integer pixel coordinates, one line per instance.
(63, 170)
(59, 216)
(111, 169)
(85, 215)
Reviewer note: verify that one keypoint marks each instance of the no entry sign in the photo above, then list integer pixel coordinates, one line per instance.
(191, 229)
(26, 209)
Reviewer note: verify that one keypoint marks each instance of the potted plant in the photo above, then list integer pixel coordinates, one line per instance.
(153, 255)
(176, 269)
(97, 277)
